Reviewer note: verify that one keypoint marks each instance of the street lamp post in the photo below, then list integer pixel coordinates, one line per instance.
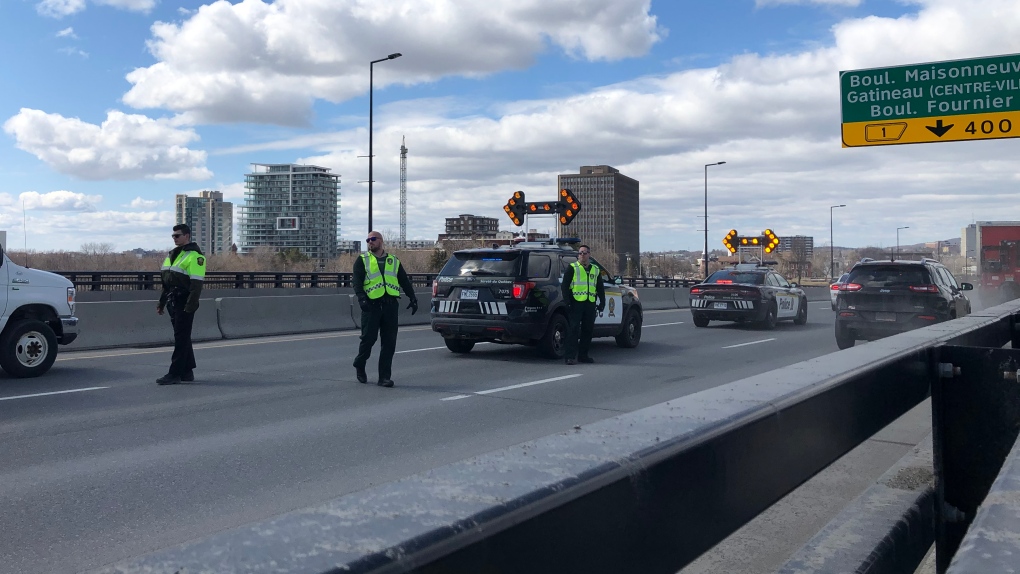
(832, 252)
(705, 255)
(898, 238)
(371, 77)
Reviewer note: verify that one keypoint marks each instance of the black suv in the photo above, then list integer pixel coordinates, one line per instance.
(881, 298)
(511, 294)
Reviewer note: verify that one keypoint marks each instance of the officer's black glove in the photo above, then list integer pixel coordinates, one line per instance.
(365, 303)
(413, 306)
(601, 307)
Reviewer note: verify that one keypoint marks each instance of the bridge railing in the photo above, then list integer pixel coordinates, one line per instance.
(651, 490)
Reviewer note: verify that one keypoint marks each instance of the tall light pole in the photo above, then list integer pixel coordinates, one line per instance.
(707, 165)
(371, 78)
(832, 249)
(898, 238)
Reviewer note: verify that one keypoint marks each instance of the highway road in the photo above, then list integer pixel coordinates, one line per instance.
(98, 463)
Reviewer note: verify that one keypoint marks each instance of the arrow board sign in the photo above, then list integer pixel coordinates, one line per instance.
(956, 100)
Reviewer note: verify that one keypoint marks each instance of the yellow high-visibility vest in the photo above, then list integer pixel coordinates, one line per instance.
(583, 285)
(379, 283)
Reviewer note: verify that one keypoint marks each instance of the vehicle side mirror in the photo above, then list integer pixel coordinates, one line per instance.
(966, 287)
(794, 284)
(617, 280)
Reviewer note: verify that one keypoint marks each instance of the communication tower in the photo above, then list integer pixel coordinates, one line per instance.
(403, 193)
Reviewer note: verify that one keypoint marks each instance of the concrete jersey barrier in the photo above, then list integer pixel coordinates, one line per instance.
(135, 323)
(258, 316)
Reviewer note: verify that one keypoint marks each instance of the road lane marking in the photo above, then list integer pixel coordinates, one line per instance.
(52, 393)
(664, 324)
(511, 387)
(751, 343)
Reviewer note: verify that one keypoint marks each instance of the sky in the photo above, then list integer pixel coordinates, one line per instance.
(112, 107)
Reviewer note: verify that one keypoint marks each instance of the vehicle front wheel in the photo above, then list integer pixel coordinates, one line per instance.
(844, 338)
(460, 345)
(771, 318)
(27, 348)
(630, 335)
(555, 337)
(801, 318)
(700, 321)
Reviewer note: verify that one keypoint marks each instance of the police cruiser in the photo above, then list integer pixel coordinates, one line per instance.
(511, 294)
(748, 293)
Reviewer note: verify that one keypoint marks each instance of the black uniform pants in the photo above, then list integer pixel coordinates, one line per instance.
(380, 321)
(183, 359)
(581, 324)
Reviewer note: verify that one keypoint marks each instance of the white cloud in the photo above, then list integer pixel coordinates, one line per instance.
(67, 33)
(61, 8)
(267, 63)
(59, 201)
(123, 147)
(139, 203)
(74, 52)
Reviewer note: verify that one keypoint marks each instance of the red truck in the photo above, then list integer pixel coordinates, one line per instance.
(999, 261)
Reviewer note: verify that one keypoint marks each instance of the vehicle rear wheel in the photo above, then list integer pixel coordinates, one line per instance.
(460, 345)
(771, 318)
(844, 337)
(27, 348)
(630, 335)
(801, 318)
(555, 336)
(700, 321)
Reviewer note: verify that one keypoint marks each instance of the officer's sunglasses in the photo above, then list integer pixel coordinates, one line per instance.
(371, 239)
(176, 235)
(584, 252)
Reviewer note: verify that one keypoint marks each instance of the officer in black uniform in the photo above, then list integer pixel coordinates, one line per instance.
(378, 276)
(183, 274)
(582, 286)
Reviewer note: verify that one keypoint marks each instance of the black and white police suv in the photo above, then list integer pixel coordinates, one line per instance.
(748, 293)
(511, 294)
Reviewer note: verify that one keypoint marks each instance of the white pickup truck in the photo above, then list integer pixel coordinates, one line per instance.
(36, 314)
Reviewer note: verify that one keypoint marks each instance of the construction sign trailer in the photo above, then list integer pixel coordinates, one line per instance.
(565, 207)
(755, 246)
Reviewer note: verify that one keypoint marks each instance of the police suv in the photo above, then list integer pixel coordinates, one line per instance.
(511, 294)
(748, 293)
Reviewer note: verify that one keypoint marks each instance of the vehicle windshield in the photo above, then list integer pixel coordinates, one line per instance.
(487, 263)
(887, 276)
(732, 277)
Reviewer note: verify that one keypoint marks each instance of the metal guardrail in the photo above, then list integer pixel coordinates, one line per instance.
(651, 490)
(149, 280)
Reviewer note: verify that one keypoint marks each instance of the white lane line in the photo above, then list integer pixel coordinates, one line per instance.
(53, 393)
(664, 324)
(435, 348)
(511, 387)
(751, 343)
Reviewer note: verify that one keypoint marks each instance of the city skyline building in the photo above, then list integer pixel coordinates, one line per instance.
(610, 211)
(291, 206)
(468, 226)
(210, 218)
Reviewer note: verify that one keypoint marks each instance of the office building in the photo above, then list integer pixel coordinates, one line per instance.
(467, 226)
(210, 218)
(609, 215)
(798, 245)
(289, 206)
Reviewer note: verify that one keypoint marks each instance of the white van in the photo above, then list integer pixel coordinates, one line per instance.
(36, 315)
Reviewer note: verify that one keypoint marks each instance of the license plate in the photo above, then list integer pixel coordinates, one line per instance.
(468, 294)
(719, 305)
(891, 317)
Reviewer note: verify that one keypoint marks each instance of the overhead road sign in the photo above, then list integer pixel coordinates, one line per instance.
(955, 100)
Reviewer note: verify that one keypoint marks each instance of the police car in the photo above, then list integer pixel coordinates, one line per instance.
(748, 293)
(511, 294)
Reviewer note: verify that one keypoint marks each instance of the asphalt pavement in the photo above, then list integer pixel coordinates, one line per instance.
(101, 464)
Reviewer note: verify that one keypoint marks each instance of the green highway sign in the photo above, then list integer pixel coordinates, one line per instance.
(977, 98)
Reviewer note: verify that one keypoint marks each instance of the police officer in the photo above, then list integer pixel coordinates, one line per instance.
(182, 274)
(378, 277)
(582, 285)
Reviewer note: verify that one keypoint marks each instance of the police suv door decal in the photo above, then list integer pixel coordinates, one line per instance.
(787, 304)
(613, 313)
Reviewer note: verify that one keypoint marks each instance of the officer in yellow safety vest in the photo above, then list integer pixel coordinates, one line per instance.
(582, 285)
(183, 274)
(378, 278)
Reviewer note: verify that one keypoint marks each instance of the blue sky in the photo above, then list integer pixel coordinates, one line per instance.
(112, 107)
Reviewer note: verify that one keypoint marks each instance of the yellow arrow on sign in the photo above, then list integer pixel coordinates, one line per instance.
(930, 130)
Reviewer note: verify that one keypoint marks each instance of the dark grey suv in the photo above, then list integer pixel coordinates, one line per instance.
(882, 298)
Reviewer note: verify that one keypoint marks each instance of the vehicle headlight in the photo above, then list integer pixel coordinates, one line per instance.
(70, 299)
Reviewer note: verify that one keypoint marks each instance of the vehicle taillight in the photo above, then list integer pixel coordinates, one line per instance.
(847, 314)
(927, 317)
(834, 286)
(696, 290)
(924, 288)
(850, 287)
(435, 287)
(521, 290)
(725, 281)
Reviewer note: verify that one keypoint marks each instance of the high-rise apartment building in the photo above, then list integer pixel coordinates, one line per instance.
(467, 226)
(289, 206)
(210, 218)
(609, 211)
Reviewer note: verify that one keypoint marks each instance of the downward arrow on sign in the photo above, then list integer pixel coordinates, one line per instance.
(938, 129)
